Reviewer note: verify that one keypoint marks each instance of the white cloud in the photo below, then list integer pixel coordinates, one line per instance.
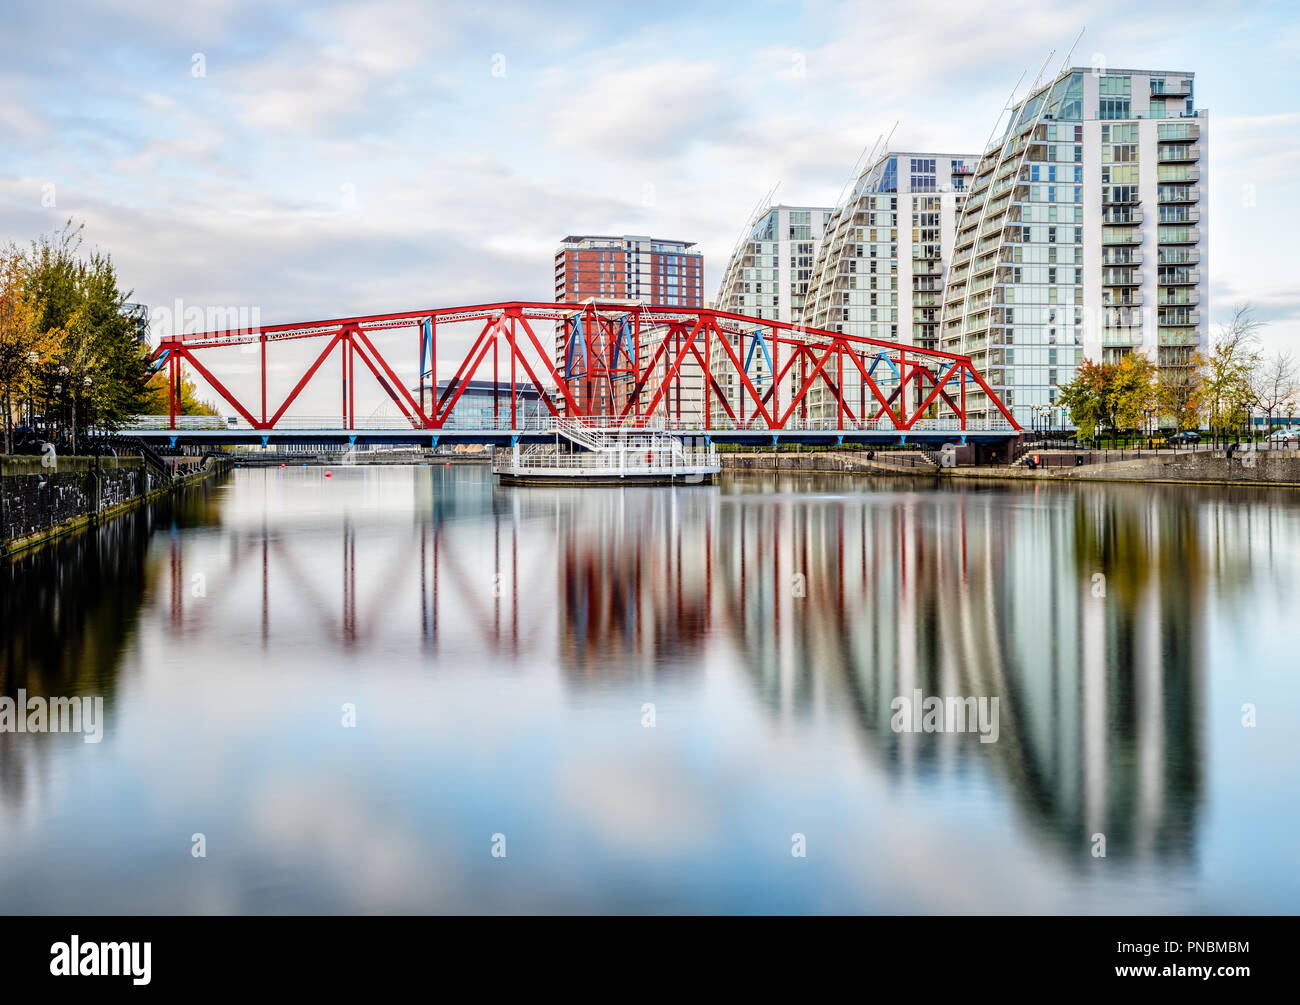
(655, 110)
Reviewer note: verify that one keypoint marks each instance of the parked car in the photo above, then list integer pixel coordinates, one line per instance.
(1284, 436)
(1184, 438)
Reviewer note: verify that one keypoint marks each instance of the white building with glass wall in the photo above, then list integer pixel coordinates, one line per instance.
(880, 270)
(1084, 237)
(767, 277)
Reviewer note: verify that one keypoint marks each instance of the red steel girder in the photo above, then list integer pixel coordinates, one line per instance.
(663, 339)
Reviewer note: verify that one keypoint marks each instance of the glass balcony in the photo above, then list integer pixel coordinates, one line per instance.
(1121, 298)
(1122, 214)
(1179, 256)
(1118, 195)
(1179, 214)
(1178, 336)
(1121, 235)
(1121, 317)
(1121, 276)
(1175, 132)
(1176, 317)
(1178, 154)
(1179, 277)
(1171, 87)
(1179, 193)
(1177, 234)
(1178, 173)
(1121, 256)
(1181, 297)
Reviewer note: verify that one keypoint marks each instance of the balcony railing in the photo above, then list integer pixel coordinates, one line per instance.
(1171, 87)
(1178, 174)
(1129, 298)
(1186, 297)
(1121, 235)
(1179, 193)
(1179, 277)
(1122, 214)
(1179, 256)
(1178, 132)
(1121, 317)
(1121, 276)
(1179, 214)
(1178, 317)
(1178, 155)
(1177, 234)
(1122, 256)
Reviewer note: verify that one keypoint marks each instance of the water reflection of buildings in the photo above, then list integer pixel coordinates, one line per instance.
(829, 596)
(635, 581)
(992, 594)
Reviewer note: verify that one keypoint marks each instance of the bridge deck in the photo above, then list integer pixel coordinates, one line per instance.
(506, 437)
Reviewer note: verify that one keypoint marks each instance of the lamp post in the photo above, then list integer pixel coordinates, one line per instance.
(33, 361)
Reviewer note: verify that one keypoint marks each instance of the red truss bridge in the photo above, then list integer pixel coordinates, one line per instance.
(605, 364)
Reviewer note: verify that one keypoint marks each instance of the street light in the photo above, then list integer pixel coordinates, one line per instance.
(33, 360)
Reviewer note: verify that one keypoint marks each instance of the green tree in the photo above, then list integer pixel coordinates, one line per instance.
(98, 377)
(1089, 400)
(23, 346)
(1108, 397)
(1227, 369)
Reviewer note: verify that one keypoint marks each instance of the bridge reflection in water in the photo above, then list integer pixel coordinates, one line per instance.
(825, 600)
(803, 604)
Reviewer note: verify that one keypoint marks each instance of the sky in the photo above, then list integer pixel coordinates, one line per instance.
(349, 158)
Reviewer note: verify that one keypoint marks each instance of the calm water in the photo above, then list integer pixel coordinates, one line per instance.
(503, 650)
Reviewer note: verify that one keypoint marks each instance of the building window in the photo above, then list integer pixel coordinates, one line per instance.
(1113, 108)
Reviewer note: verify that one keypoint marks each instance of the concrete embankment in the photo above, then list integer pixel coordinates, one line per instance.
(341, 458)
(884, 462)
(42, 498)
(1277, 467)
(1261, 467)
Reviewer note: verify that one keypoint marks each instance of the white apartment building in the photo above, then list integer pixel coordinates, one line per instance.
(1084, 237)
(767, 277)
(880, 270)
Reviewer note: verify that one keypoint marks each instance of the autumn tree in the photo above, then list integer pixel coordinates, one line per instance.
(24, 347)
(187, 397)
(1087, 398)
(1179, 396)
(1112, 396)
(1226, 371)
(98, 375)
(1133, 390)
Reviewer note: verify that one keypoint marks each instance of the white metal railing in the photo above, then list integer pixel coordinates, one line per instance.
(620, 453)
(146, 422)
(597, 432)
(624, 461)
